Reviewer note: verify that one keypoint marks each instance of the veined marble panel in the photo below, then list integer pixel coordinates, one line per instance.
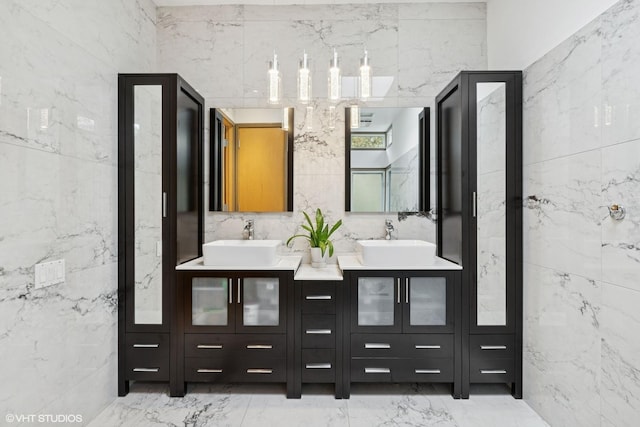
(620, 65)
(621, 239)
(562, 99)
(432, 52)
(317, 12)
(562, 346)
(442, 11)
(620, 388)
(205, 52)
(560, 220)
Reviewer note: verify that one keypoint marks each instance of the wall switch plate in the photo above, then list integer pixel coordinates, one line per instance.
(49, 273)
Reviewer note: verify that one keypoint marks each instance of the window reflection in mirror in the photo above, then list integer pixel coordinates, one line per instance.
(388, 158)
(251, 160)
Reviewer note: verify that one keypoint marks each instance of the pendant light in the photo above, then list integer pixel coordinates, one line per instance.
(275, 81)
(335, 83)
(355, 117)
(304, 80)
(365, 77)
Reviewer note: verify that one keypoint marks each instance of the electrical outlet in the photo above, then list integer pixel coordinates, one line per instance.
(49, 273)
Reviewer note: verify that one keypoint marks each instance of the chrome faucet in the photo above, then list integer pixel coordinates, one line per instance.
(247, 233)
(388, 228)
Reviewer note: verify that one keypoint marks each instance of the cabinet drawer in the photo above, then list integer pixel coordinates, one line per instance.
(222, 345)
(318, 366)
(373, 370)
(424, 370)
(492, 347)
(147, 357)
(492, 371)
(402, 345)
(235, 369)
(318, 331)
(318, 297)
(402, 370)
(207, 345)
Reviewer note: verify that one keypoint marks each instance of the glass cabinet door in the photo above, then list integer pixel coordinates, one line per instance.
(262, 304)
(377, 305)
(210, 297)
(428, 304)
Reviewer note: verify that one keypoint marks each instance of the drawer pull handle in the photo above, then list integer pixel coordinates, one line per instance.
(377, 370)
(318, 297)
(493, 371)
(146, 369)
(209, 371)
(318, 331)
(427, 371)
(210, 346)
(376, 345)
(318, 366)
(493, 347)
(259, 371)
(146, 345)
(259, 346)
(427, 347)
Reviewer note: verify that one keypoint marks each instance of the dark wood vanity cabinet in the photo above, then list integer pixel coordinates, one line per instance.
(479, 211)
(234, 327)
(318, 333)
(401, 327)
(160, 215)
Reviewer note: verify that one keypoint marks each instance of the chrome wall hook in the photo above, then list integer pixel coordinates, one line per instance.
(616, 212)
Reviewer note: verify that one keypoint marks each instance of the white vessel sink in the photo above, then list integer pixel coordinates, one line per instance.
(235, 253)
(396, 253)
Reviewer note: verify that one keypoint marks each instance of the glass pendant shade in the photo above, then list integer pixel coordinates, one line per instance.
(355, 117)
(365, 80)
(304, 80)
(335, 83)
(275, 81)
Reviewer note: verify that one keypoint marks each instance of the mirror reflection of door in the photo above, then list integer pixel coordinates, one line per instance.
(260, 162)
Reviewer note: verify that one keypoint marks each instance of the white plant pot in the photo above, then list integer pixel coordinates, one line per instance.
(317, 260)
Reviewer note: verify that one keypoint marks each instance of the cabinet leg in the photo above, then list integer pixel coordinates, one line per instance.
(178, 390)
(123, 388)
(516, 390)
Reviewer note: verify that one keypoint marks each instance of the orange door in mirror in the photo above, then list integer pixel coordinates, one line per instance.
(261, 182)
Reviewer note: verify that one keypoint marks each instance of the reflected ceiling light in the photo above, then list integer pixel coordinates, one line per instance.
(285, 118)
(304, 80)
(365, 77)
(335, 84)
(275, 81)
(355, 117)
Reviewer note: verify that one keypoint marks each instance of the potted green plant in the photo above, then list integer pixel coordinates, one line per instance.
(318, 237)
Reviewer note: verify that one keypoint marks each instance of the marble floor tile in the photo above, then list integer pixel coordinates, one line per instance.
(265, 405)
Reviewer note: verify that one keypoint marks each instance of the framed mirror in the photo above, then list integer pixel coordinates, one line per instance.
(251, 160)
(387, 159)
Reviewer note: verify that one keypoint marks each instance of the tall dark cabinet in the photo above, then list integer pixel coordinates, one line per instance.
(160, 216)
(479, 169)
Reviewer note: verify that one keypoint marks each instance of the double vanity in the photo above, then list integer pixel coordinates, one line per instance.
(377, 316)
(394, 311)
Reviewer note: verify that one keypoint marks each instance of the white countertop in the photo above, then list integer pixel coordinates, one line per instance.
(352, 262)
(330, 272)
(290, 262)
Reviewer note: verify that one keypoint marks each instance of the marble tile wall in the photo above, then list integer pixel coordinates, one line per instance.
(58, 196)
(223, 52)
(582, 153)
